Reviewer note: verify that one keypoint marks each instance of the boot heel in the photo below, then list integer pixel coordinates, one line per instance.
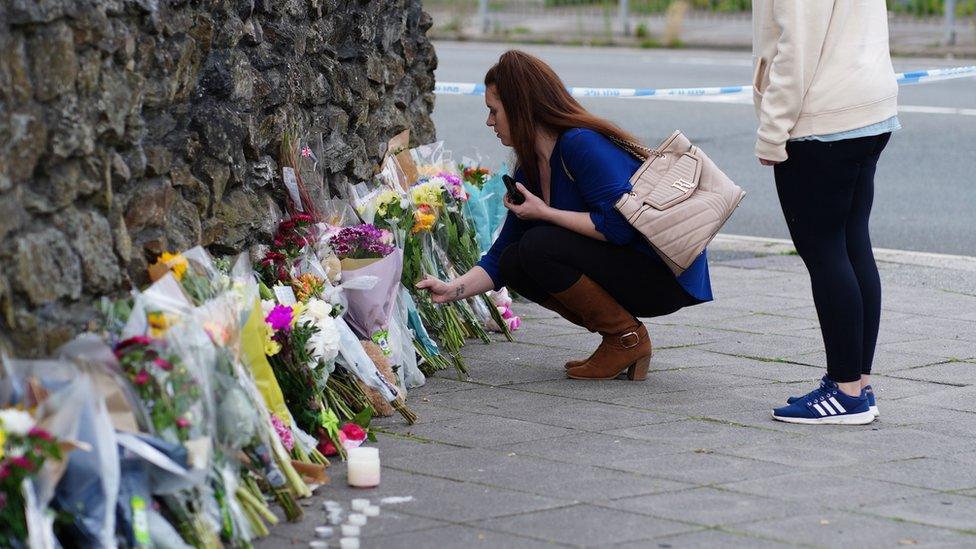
(638, 370)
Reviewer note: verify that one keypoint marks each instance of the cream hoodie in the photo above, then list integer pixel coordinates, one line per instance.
(821, 66)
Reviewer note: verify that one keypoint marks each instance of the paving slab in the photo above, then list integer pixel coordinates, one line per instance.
(603, 527)
(705, 539)
(839, 529)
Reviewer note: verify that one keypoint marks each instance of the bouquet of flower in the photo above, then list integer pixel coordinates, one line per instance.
(24, 449)
(365, 250)
(484, 208)
(475, 175)
(289, 245)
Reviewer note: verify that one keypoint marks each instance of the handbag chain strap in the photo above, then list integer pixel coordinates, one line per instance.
(636, 149)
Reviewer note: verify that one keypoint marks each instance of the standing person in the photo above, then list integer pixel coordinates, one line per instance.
(566, 247)
(826, 96)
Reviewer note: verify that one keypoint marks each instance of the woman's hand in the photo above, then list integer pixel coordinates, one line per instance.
(440, 291)
(533, 207)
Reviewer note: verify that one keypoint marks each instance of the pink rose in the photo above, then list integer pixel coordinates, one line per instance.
(141, 378)
(182, 422)
(135, 340)
(514, 323)
(163, 364)
(328, 448)
(37, 432)
(354, 432)
(22, 463)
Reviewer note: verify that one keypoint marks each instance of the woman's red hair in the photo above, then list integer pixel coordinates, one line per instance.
(534, 98)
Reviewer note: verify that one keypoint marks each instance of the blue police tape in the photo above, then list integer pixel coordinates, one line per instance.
(905, 78)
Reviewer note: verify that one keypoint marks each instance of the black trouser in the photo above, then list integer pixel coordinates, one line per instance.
(549, 259)
(826, 191)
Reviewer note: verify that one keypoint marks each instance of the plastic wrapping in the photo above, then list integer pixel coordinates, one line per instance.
(401, 341)
(90, 485)
(353, 357)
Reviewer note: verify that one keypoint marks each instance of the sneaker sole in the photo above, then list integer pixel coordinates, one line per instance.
(862, 418)
(874, 410)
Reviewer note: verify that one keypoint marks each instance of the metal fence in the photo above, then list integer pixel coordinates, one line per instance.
(943, 20)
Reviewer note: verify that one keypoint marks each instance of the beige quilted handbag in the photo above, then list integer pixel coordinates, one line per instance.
(679, 201)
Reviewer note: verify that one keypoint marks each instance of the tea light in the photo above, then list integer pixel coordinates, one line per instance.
(331, 505)
(323, 532)
(349, 543)
(350, 531)
(335, 518)
(316, 544)
(359, 504)
(357, 519)
(372, 511)
(363, 467)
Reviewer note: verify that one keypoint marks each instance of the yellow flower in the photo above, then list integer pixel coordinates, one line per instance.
(296, 311)
(422, 221)
(158, 323)
(271, 347)
(427, 194)
(3, 440)
(175, 263)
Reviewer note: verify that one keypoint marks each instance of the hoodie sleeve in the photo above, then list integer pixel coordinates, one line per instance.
(803, 27)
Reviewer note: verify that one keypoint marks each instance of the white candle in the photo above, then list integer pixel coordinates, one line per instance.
(335, 518)
(363, 467)
(323, 531)
(349, 543)
(316, 544)
(350, 531)
(357, 519)
(359, 504)
(330, 505)
(372, 511)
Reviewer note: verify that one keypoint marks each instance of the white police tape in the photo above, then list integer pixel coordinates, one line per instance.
(905, 78)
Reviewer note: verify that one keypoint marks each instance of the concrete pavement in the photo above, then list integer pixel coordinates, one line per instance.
(519, 456)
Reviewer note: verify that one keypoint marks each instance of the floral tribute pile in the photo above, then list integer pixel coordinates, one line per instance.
(224, 387)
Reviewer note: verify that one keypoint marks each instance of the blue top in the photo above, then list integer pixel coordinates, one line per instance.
(885, 126)
(602, 175)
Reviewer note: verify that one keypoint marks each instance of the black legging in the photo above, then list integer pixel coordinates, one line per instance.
(826, 191)
(549, 259)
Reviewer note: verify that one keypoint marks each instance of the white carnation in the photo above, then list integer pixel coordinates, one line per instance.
(324, 344)
(16, 422)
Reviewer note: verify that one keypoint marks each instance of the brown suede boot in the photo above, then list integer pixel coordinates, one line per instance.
(625, 346)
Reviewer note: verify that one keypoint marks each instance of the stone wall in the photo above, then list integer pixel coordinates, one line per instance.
(130, 127)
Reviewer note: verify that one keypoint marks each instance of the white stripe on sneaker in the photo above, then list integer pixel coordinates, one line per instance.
(837, 404)
(821, 410)
(828, 407)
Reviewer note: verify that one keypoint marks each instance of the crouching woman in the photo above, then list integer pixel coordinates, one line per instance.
(565, 247)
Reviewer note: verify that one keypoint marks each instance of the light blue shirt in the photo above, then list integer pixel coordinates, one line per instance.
(890, 125)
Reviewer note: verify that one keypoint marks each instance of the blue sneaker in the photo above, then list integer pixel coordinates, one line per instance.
(866, 391)
(872, 403)
(827, 404)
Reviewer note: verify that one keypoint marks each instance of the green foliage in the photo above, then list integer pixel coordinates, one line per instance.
(931, 7)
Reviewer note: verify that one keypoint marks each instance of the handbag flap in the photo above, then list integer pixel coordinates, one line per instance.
(674, 186)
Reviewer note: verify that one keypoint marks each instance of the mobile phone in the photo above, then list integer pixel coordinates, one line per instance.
(514, 195)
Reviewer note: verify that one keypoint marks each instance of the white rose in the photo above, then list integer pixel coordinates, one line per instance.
(16, 422)
(317, 309)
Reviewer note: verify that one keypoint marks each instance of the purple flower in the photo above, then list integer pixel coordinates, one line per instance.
(279, 318)
(362, 241)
